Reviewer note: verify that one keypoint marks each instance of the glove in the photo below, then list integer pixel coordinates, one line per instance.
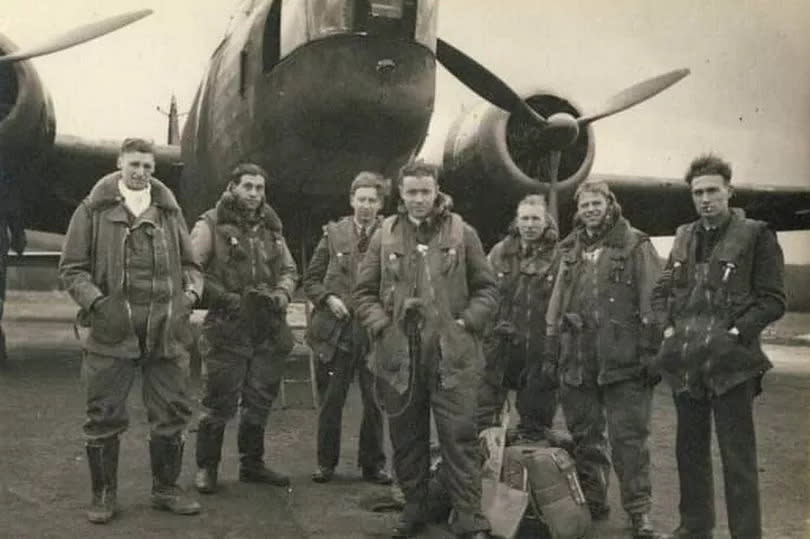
(548, 376)
(504, 328)
(280, 299)
(377, 326)
(413, 317)
(229, 301)
(649, 376)
(551, 350)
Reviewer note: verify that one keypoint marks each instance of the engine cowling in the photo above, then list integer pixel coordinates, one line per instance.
(492, 159)
(27, 122)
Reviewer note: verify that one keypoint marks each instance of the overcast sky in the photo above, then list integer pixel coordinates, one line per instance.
(748, 97)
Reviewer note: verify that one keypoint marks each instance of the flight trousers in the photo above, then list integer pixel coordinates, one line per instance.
(454, 412)
(334, 379)
(736, 437)
(617, 414)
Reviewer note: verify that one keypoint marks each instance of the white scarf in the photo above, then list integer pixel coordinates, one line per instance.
(136, 201)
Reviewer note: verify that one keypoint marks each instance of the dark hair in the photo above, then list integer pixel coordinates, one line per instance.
(708, 165)
(134, 144)
(367, 178)
(419, 168)
(251, 169)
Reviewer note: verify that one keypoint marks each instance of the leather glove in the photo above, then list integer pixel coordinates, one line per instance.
(548, 376)
(229, 301)
(413, 316)
(548, 373)
(551, 349)
(649, 377)
(504, 328)
(377, 326)
(280, 299)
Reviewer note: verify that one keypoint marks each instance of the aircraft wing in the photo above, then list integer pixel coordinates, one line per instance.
(658, 205)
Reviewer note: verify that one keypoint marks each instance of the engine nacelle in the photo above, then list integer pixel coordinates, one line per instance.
(27, 122)
(492, 159)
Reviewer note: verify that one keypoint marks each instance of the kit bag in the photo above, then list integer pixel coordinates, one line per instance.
(556, 497)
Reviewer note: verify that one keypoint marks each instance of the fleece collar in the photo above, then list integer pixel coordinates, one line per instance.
(106, 193)
(230, 213)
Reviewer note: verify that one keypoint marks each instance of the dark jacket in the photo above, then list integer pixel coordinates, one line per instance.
(525, 282)
(333, 271)
(450, 279)
(241, 258)
(626, 272)
(94, 265)
(741, 285)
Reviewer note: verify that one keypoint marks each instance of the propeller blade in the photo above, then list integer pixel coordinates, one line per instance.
(551, 171)
(77, 36)
(483, 82)
(635, 94)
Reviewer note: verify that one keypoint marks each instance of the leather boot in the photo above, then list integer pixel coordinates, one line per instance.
(167, 458)
(209, 451)
(250, 440)
(102, 457)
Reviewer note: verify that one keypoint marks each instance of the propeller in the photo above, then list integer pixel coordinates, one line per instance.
(559, 130)
(483, 82)
(77, 36)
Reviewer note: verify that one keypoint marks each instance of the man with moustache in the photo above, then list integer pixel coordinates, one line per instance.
(127, 261)
(336, 337)
(724, 283)
(250, 277)
(426, 292)
(524, 264)
(601, 335)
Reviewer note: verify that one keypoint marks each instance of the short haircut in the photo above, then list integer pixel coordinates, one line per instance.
(250, 169)
(134, 144)
(419, 168)
(533, 200)
(367, 178)
(708, 165)
(597, 187)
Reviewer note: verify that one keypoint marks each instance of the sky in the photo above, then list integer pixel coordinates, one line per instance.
(747, 99)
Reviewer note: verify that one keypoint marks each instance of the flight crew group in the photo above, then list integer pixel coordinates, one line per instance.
(412, 304)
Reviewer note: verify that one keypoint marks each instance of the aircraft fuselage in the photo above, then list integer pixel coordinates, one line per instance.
(329, 109)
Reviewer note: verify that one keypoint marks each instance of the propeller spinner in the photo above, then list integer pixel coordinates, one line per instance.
(558, 131)
(77, 36)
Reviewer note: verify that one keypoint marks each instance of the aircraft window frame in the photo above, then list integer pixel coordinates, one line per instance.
(304, 21)
(271, 37)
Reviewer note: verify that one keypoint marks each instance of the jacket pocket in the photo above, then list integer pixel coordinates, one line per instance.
(110, 320)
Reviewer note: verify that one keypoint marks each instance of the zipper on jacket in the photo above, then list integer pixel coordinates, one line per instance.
(125, 277)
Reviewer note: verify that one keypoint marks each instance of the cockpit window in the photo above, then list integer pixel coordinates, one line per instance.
(307, 20)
